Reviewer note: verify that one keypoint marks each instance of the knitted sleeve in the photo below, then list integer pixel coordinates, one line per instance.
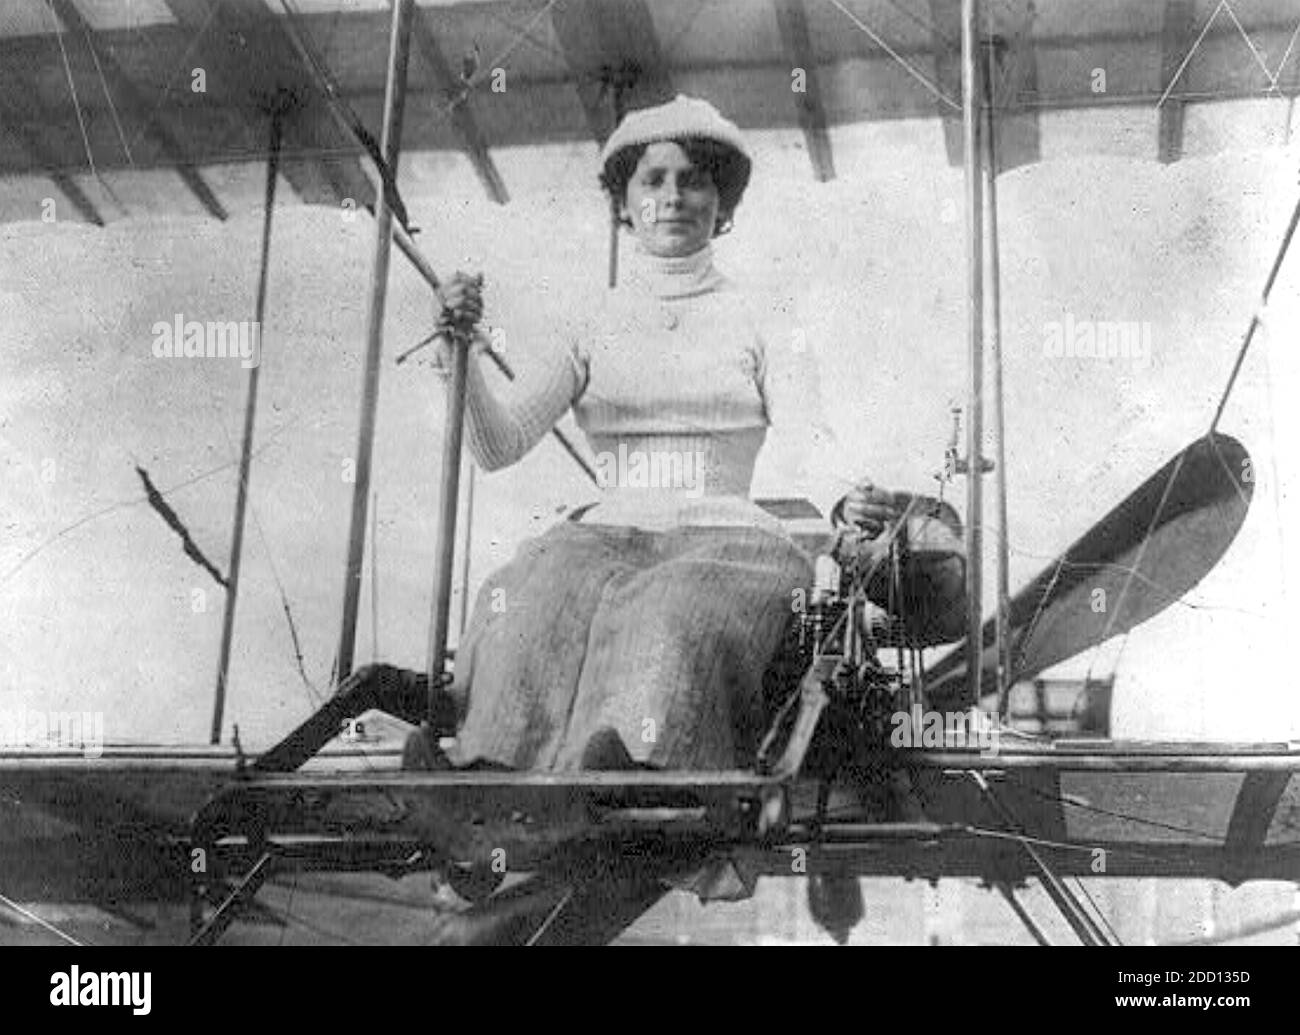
(802, 443)
(505, 419)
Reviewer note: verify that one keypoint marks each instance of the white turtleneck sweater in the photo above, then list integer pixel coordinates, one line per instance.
(676, 377)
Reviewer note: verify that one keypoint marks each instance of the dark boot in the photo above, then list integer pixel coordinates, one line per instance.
(836, 904)
(606, 752)
(422, 753)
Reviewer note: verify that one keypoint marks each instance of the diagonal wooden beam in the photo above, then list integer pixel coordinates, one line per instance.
(1177, 32)
(462, 118)
(792, 20)
(46, 161)
(125, 90)
(324, 179)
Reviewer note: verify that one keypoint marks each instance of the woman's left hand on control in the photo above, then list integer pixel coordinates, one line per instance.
(870, 508)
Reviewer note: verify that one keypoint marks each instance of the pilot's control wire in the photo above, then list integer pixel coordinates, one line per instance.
(971, 830)
(1043, 842)
(314, 696)
(1061, 799)
(839, 811)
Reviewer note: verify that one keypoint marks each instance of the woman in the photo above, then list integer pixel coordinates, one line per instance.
(639, 635)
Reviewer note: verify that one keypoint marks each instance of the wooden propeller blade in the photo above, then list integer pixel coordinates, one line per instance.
(1136, 561)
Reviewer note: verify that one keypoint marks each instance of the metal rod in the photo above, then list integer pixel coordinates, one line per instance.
(1021, 912)
(970, 857)
(1099, 760)
(248, 886)
(975, 339)
(469, 543)
(999, 428)
(445, 535)
(374, 578)
(1255, 320)
(250, 418)
(613, 243)
(394, 105)
(1070, 907)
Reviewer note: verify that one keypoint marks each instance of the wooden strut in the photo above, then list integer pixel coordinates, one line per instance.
(467, 557)
(994, 276)
(250, 417)
(448, 503)
(394, 106)
(973, 160)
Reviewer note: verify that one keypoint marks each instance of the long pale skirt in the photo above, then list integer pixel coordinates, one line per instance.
(663, 637)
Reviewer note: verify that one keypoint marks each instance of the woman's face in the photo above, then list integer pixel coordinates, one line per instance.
(671, 203)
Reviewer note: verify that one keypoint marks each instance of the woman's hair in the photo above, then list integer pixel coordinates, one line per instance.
(726, 166)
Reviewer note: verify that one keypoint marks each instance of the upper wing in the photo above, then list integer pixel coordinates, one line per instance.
(186, 86)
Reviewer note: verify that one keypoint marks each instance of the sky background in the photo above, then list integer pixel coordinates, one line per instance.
(100, 609)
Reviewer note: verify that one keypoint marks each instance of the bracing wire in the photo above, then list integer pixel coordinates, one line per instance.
(39, 921)
(108, 95)
(72, 87)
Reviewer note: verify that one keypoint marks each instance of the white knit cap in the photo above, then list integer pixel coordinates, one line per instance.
(680, 119)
